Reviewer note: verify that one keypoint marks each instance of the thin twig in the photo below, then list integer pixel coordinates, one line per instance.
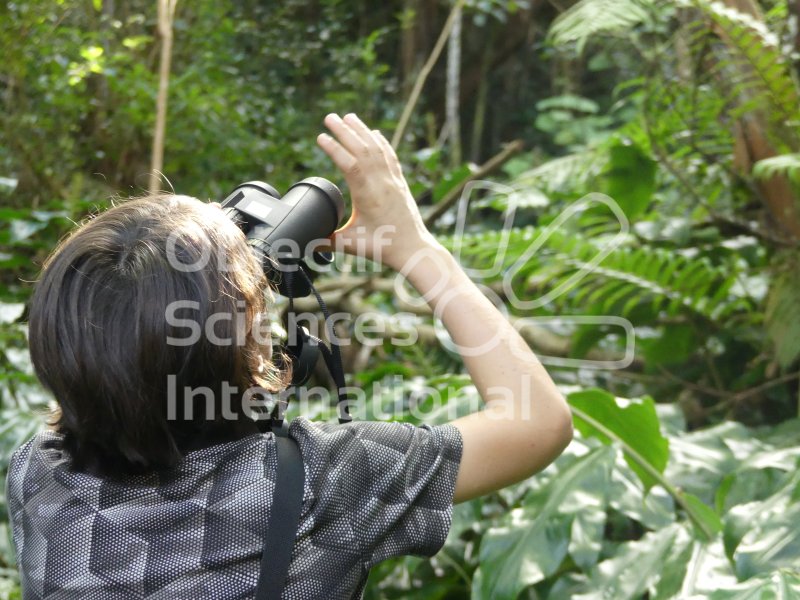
(694, 386)
(743, 395)
(423, 74)
(452, 196)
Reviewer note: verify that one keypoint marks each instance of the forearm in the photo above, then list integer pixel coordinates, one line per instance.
(526, 423)
(503, 368)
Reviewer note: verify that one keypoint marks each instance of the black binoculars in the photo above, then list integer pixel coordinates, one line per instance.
(285, 232)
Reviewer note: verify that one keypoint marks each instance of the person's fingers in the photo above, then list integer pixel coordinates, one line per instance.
(357, 125)
(389, 153)
(345, 134)
(386, 144)
(340, 156)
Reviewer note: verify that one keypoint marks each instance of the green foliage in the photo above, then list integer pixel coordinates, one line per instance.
(636, 425)
(532, 541)
(9, 589)
(572, 120)
(630, 178)
(786, 164)
(600, 276)
(591, 17)
(766, 78)
(783, 312)
(657, 498)
(589, 528)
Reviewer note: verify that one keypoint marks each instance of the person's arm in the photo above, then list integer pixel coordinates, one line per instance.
(526, 423)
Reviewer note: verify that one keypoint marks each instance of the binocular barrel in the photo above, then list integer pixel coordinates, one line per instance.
(310, 210)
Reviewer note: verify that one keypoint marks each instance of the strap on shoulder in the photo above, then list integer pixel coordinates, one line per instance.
(284, 517)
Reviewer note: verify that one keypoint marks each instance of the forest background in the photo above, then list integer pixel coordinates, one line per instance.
(669, 316)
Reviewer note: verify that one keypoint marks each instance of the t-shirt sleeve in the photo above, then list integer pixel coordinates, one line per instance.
(394, 481)
(15, 492)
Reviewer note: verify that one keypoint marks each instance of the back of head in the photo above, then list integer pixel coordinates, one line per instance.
(108, 330)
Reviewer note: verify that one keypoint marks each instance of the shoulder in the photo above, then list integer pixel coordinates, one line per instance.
(40, 453)
(392, 482)
(379, 436)
(46, 446)
(370, 451)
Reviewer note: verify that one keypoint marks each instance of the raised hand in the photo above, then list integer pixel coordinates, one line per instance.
(385, 224)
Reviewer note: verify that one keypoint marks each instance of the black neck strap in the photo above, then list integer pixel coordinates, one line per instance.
(284, 517)
(332, 355)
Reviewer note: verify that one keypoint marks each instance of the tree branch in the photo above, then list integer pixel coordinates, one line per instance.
(451, 197)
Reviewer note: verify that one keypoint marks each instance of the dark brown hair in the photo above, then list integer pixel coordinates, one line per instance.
(99, 330)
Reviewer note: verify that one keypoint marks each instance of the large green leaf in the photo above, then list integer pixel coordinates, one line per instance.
(700, 460)
(764, 536)
(781, 585)
(653, 509)
(531, 542)
(696, 572)
(639, 566)
(630, 178)
(634, 422)
(665, 564)
(705, 517)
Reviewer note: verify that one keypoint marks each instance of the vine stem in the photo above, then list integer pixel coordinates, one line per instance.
(456, 567)
(652, 471)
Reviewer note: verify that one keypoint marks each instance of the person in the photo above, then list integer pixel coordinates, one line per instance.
(116, 500)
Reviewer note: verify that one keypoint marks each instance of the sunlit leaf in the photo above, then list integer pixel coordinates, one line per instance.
(532, 541)
(781, 585)
(635, 422)
(639, 566)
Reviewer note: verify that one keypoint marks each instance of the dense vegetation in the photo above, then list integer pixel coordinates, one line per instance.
(682, 481)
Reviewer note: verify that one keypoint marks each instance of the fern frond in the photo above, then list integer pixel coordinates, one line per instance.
(626, 280)
(685, 122)
(646, 276)
(754, 45)
(786, 164)
(591, 17)
(572, 172)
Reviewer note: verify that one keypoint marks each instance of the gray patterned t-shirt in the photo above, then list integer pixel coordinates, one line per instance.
(372, 491)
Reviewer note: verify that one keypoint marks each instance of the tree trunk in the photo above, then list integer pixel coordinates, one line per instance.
(397, 136)
(753, 144)
(408, 46)
(479, 118)
(453, 118)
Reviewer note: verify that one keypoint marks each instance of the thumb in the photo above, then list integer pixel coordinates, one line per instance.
(349, 238)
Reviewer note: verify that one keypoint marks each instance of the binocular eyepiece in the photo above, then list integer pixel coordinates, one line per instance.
(286, 231)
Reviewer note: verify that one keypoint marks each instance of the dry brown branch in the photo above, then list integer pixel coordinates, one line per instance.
(494, 163)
